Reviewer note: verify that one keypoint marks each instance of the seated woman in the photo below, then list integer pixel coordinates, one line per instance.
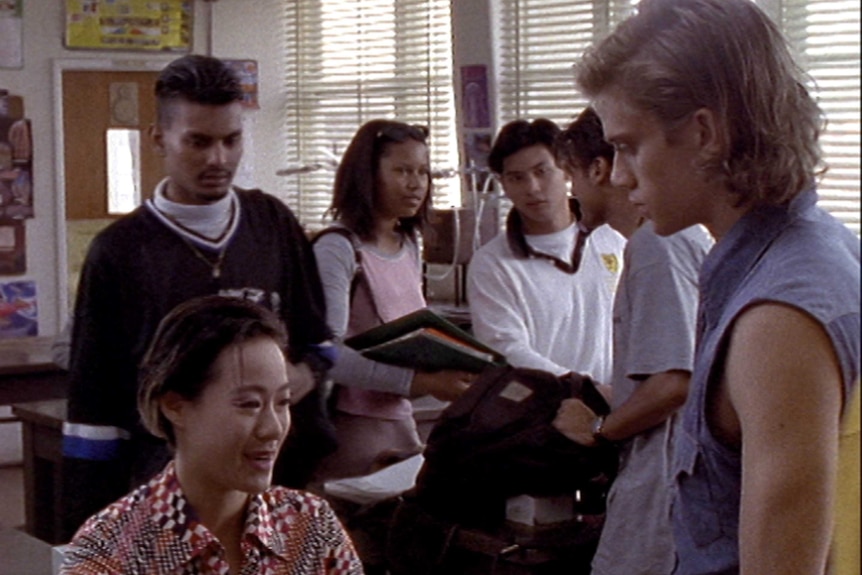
(214, 384)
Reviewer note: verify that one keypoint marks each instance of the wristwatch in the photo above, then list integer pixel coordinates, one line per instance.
(598, 428)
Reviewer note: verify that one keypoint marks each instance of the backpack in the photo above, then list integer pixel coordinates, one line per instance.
(496, 441)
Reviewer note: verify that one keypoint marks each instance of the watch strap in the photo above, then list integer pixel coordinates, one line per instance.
(598, 430)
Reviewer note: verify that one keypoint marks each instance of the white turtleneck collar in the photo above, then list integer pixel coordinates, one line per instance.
(211, 224)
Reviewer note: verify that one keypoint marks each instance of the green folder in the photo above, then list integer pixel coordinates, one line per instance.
(427, 341)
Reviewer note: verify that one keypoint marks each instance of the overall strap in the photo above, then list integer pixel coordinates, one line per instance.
(355, 242)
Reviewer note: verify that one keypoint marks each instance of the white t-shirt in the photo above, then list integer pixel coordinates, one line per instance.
(538, 315)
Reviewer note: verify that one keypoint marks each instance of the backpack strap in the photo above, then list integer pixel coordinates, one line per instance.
(366, 300)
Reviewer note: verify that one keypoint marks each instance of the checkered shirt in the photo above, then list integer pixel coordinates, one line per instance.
(155, 531)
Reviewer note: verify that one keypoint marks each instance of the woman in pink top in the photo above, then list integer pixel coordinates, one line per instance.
(371, 274)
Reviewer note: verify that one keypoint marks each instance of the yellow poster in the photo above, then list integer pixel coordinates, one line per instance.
(129, 24)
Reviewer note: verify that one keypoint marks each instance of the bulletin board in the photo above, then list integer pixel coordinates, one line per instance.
(141, 25)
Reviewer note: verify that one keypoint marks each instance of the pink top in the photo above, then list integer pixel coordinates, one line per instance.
(395, 283)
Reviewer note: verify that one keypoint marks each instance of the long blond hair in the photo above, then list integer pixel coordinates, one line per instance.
(675, 57)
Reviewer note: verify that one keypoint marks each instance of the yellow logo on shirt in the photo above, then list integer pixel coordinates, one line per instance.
(611, 262)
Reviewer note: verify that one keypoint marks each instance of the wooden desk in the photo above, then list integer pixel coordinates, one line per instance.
(27, 372)
(42, 433)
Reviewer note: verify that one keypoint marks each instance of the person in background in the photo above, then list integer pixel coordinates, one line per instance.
(215, 386)
(712, 124)
(198, 235)
(654, 318)
(371, 274)
(541, 293)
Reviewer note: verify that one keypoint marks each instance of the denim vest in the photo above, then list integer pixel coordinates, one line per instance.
(797, 255)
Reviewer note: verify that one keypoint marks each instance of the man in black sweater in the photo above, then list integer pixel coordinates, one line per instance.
(198, 235)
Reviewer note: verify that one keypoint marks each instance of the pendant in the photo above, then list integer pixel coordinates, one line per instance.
(216, 272)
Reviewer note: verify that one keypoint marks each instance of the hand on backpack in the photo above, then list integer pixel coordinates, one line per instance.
(445, 385)
(575, 420)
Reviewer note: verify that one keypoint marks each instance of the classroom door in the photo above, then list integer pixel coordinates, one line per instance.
(98, 105)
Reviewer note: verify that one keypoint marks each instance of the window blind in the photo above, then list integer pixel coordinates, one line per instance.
(826, 36)
(540, 40)
(349, 62)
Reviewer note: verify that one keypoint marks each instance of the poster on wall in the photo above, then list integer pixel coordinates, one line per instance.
(16, 159)
(11, 38)
(246, 71)
(18, 309)
(476, 121)
(141, 25)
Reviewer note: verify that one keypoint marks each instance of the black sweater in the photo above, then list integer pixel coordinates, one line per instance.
(136, 271)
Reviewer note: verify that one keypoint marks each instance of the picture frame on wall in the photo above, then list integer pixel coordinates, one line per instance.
(136, 25)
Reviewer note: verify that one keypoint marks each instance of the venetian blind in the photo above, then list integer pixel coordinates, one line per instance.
(541, 39)
(349, 62)
(826, 36)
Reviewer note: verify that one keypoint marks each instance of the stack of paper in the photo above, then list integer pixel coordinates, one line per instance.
(389, 482)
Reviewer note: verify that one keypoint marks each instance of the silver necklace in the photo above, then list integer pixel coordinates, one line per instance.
(216, 265)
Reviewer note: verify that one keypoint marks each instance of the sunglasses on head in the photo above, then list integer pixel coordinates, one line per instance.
(401, 132)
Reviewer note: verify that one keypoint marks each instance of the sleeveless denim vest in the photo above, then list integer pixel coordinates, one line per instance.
(797, 255)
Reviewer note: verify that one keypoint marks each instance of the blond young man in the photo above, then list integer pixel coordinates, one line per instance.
(712, 124)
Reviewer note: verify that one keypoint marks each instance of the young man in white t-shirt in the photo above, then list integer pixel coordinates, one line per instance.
(542, 292)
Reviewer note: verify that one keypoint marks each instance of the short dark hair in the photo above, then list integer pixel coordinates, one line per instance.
(520, 134)
(356, 178)
(198, 79)
(582, 142)
(186, 345)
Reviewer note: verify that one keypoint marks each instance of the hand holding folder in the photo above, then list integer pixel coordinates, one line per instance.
(425, 340)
